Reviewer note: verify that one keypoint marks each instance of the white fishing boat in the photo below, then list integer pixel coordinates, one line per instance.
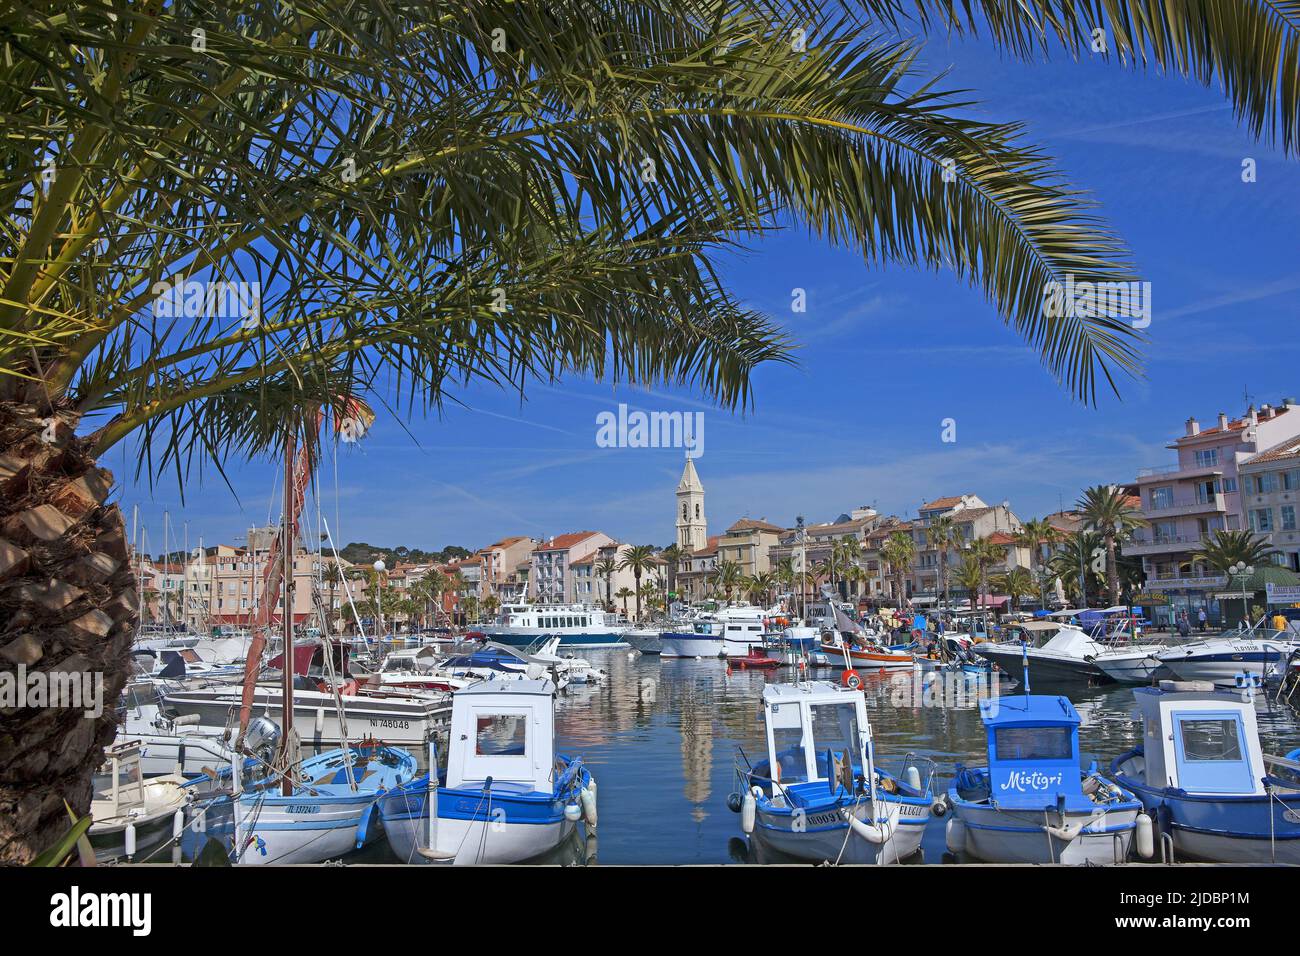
(576, 625)
(505, 795)
(134, 818)
(1203, 777)
(819, 796)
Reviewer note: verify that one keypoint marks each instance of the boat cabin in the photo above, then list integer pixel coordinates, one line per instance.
(1199, 739)
(806, 723)
(1033, 745)
(504, 730)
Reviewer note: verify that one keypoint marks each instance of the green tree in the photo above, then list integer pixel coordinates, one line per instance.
(338, 157)
(943, 535)
(1033, 535)
(624, 593)
(606, 567)
(1015, 584)
(638, 559)
(673, 554)
(1073, 562)
(985, 554)
(1226, 548)
(899, 551)
(1107, 510)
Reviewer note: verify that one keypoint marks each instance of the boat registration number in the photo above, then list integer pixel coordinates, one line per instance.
(302, 808)
(392, 724)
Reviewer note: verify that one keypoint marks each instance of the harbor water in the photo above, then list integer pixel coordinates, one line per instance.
(663, 737)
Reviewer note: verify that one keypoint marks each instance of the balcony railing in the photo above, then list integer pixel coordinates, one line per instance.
(1213, 502)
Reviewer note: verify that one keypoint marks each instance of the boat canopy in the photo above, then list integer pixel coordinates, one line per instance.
(1200, 740)
(806, 720)
(503, 730)
(1033, 744)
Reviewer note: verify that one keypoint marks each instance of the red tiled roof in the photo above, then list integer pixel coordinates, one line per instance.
(950, 502)
(1234, 425)
(1288, 449)
(563, 542)
(1000, 537)
(753, 524)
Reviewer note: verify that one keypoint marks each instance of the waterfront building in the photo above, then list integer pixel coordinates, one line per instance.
(972, 519)
(749, 543)
(694, 581)
(1270, 495)
(816, 544)
(590, 585)
(551, 579)
(1186, 502)
(499, 561)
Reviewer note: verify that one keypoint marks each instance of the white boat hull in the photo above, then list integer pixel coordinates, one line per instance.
(1133, 667)
(689, 645)
(998, 836)
(826, 837)
(467, 842)
(284, 830)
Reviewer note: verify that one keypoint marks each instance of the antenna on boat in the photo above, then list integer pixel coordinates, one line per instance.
(1024, 651)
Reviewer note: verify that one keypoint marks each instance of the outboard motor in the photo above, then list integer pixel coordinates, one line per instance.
(263, 735)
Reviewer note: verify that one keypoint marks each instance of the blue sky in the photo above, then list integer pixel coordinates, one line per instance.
(886, 354)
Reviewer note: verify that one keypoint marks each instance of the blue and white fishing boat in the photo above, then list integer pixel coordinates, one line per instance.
(1033, 803)
(576, 625)
(1204, 778)
(317, 821)
(505, 795)
(819, 795)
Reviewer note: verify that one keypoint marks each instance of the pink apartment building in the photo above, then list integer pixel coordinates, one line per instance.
(1186, 502)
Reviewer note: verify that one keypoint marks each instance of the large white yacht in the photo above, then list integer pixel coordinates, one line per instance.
(576, 625)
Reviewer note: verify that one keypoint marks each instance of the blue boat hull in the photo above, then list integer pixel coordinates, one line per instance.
(1220, 828)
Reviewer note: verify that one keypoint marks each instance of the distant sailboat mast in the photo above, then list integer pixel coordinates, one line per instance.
(287, 656)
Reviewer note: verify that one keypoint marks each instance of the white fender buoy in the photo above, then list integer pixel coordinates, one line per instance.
(955, 835)
(588, 800)
(748, 811)
(1066, 833)
(572, 812)
(178, 824)
(871, 832)
(912, 776)
(130, 840)
(1146, 838)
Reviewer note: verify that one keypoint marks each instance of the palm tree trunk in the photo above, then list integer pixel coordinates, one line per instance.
(68, 607)
(636, 576)
(1112, 570)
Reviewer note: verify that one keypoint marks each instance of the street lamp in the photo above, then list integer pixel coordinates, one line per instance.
(1242, 571)
(380, 568)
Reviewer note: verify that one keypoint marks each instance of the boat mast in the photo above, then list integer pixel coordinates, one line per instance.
(287, 657)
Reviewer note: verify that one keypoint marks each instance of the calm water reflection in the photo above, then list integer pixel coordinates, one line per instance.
(661, 736)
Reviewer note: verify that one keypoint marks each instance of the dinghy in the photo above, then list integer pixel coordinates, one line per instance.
(134, 818)
(819, 795)
(1203, 777)
(1032, 803)
(505, 795)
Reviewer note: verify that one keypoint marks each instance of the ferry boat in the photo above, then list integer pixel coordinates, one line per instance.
(820, 796)
(576, 625)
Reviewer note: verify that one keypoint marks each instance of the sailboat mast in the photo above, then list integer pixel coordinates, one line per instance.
(286, 557)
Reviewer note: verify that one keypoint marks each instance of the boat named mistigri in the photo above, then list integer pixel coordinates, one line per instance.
(576, 625)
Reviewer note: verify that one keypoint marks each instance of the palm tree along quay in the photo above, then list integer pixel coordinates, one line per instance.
(335, 155)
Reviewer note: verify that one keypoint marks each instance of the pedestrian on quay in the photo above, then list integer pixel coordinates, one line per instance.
(1201, 618)
(1184, 628)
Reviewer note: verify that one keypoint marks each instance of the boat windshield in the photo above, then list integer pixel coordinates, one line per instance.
(835, 727)
(1033, 743)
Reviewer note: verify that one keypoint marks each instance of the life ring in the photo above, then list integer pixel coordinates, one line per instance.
(851, 680)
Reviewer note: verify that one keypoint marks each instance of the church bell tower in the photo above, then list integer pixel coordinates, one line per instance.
(692, 528)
